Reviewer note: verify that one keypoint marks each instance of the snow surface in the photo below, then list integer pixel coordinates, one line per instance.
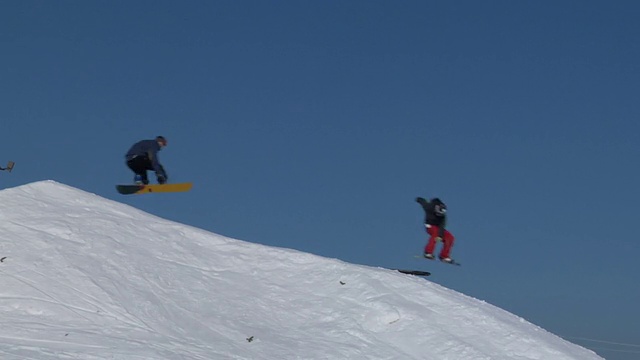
(89, 278)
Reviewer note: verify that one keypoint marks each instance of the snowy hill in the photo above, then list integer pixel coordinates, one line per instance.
(89, 278)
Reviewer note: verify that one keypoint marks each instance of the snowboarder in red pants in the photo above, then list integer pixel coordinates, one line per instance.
(435, 222)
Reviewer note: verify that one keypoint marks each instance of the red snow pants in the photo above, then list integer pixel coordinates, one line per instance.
(448, 240)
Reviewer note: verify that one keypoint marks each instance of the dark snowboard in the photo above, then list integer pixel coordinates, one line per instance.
(444, 262)
(414, 272)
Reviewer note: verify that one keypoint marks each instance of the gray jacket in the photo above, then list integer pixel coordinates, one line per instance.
(148, 149)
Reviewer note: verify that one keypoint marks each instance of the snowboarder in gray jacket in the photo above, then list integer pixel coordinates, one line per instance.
(143, 156)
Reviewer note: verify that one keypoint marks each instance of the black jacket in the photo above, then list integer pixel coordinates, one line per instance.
(435, 213)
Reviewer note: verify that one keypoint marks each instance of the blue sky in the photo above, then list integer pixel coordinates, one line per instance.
(313, 125)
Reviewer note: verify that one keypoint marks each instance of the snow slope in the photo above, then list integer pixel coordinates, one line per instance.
(89, 278)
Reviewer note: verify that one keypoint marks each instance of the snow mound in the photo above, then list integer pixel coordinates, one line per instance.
(84, 277)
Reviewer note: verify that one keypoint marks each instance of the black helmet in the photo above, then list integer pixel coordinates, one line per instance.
(161, 140)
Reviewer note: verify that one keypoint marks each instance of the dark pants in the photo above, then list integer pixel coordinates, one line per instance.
(139, 165)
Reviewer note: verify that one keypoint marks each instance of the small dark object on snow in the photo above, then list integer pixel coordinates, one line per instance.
(2, 258)
(250, 339)
(342, 283)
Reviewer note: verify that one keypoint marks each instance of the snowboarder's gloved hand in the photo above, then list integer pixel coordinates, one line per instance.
(161, 179)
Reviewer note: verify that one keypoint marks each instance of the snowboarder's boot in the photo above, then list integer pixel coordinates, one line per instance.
(447, 260)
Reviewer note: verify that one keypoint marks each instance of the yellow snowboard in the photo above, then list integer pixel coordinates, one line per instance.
(155, 188)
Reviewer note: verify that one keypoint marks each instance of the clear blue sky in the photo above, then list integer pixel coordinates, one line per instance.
(313, 125)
